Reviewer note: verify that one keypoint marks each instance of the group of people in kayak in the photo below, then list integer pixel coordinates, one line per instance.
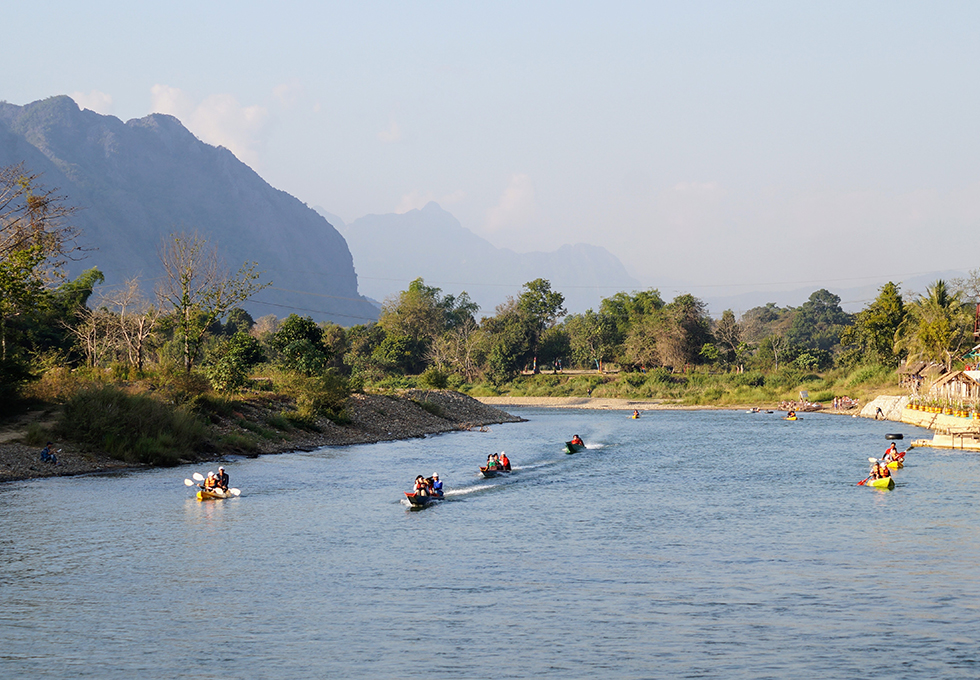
(879, 468)
(428, 486)
(217, 481)
(498, 461)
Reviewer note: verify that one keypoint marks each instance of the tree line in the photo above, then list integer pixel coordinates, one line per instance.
(194, 324)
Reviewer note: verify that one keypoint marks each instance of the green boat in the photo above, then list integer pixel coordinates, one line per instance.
(574, 448)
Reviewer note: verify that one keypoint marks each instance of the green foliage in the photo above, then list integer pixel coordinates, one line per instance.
(818, 322)
(133, 428)
(230, 361)
(872, 338)
(325, 395)
(211, 407)
(434, 378)
(431, 407)
(36, 434)
(938, 326)
(299, 345)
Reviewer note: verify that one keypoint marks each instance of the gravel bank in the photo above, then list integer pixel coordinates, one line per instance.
(375, 418)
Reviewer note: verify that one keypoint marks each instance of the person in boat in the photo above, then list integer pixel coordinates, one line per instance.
(504, 461)
(209, 482)
(791, 414)
(221, 479)
(491, 461)
(436, 484)
(891, 453)
(577, 441)
(636, 414)
(421, 486)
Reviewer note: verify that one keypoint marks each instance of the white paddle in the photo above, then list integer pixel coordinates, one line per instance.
(235, 492)
(188, 482)
(198, 477)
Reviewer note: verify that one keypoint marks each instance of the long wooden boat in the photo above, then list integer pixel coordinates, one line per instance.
(213, 495)
(421, 501)
(489, 472)
(882, 483)
(573, 448)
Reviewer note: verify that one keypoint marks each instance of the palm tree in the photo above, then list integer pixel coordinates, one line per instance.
(938, 326)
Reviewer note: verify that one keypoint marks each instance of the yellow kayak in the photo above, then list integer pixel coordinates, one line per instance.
(882, 483)
(214, 495)
(790, 418)
(896, 465)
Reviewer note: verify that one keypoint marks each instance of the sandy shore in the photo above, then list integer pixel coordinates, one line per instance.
(597, 403)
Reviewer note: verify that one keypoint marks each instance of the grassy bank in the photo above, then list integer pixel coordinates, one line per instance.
(703, 388)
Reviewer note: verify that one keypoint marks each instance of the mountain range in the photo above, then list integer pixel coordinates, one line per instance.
(139, 181)
(392, 250)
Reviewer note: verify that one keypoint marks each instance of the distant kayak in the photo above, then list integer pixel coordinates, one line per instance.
(790, 418)
(882, 483)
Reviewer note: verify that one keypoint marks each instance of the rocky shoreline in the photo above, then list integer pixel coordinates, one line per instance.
(374, 418)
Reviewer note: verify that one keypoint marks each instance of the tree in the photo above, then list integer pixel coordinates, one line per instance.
(818, 322)
(199, 290)
(230, 362)
(299, 345)
(416, 317)
(938, 326)
(36, 238)
(592, 337)
(873, 336)
(729, 335)
(136, 321)
(684, 331)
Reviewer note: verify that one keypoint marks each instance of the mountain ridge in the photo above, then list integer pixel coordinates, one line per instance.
(138, 181)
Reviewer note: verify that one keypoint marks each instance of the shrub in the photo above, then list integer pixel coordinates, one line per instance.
(434, 379)
(133, 428)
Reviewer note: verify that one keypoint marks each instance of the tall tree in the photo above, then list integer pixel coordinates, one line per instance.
(938, 326)
(818, 322)
(873, 337)
(199, 290)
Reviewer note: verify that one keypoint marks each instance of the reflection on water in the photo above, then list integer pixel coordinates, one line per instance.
(702, 544)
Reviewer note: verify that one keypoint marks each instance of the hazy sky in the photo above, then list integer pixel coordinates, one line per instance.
(709, 145)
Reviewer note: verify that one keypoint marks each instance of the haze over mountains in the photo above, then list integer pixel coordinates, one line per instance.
(391, 250)
(138, 181)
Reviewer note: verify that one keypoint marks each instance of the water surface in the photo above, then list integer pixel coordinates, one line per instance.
(683, 544)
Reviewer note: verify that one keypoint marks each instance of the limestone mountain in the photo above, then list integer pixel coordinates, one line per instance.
(138, 181)
(391, 250)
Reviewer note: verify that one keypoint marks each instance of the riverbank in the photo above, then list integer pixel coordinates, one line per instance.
(374, 418)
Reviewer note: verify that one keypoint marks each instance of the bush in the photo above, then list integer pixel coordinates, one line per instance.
(433, 378)
(324, 395)
(133, 428)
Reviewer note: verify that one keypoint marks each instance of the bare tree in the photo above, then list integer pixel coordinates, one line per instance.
(95, 332)
(199, 289)
(136, 321)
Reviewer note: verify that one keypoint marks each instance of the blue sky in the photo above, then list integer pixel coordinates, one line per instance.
(709, 145)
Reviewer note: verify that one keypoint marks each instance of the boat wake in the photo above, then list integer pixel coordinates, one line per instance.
(468, 490)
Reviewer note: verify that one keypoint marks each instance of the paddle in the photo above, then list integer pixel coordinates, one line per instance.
(198, 477)
(188, 482)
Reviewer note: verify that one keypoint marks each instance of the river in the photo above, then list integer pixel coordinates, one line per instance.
(705, 544)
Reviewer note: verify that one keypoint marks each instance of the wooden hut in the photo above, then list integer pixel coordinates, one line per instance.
(913, 374)
(957, 387)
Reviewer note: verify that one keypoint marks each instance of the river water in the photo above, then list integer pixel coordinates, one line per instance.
(683, 544)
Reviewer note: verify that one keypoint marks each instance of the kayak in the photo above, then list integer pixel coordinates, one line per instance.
(573, 448)
(896, 465)
(882, 483)
(790, 418)
(421, 501)
(213, 495)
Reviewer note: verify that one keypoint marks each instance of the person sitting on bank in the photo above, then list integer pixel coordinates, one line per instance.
(436, 484)
(47, 455)
(221, 479)
(504, 461)
(577, 441)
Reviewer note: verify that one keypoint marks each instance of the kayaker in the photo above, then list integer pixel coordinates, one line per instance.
(436, 484)
(636, 414)
(210, 482)
(791, 414)
(577, 441)
(505, 461)
(221, 479)
(421, 486)
(891, 453)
